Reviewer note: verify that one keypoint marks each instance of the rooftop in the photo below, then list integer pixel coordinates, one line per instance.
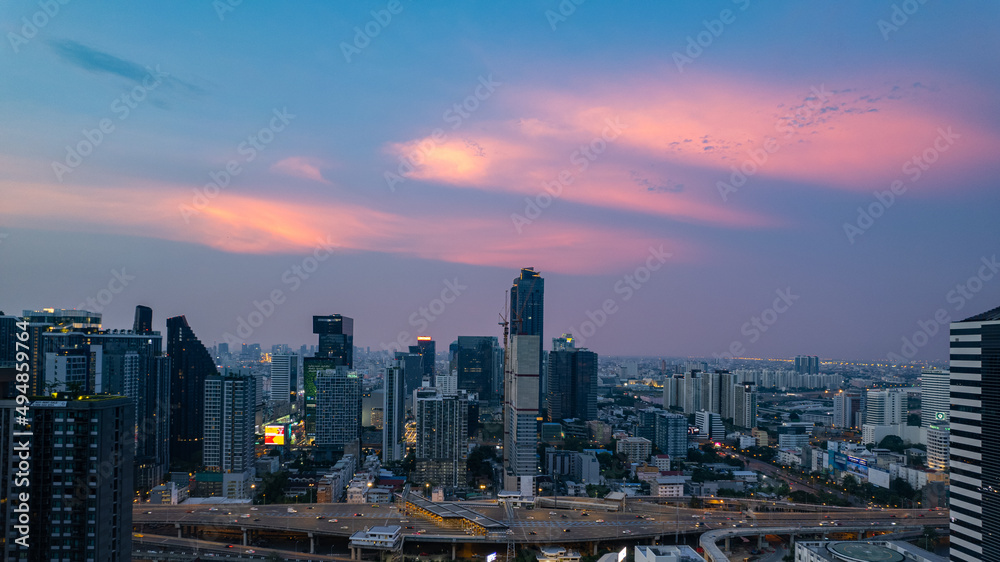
(988, 316)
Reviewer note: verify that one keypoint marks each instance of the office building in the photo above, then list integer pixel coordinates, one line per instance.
(520, 413)
(710, 424)
(479, 363)
(52, 320)
(442, 443)
(284, 377)
(527, 313)
(885, 407)
(847, 409)
(428, 355)
(190, 366)
(338, 410)
(81, 488)
(413, 369)
(975, 437)
(935, 397)
(143, 322)
(229, 437)
(336, 338)
(692, 392)
(572, 382)
(938, 440)
(393, 413)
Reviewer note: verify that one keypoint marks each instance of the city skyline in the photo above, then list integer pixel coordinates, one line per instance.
(694, 168)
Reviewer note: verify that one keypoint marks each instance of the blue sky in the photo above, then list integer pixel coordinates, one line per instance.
(458, 142)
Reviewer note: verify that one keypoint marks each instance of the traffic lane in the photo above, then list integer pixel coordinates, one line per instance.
(195, 545)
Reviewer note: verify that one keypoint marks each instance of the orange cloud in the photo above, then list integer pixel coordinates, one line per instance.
(239, 223)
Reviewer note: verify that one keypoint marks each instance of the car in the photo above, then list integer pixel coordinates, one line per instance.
(254, 509)
(374, 505)
(251, 551)
(213, 509)
(345, 527)
(585, 514)
(565, 530)
(319, 517)
(310, 507)
(190, 511)
(627, 532)
(650, 519)
(564, 516)
(256, 520)
(357, 515)
(229, 546)
(552, 513)
(638, 516)
(409, 526)
(149, 513)
(532, 533)
(599, 521)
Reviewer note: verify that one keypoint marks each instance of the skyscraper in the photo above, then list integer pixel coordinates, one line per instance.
(52, 319)
(143, 322)
(847, 409)
(442, 443)
(425, 348)
(935, 397)
(336, 338)
(229, 413)
(413, 370)
(190, 366)
(527, 313)
(572, 382)
(885, 407)
(806, 364)
(284, 377)
(745, 405)
(338, 410)
(520, 413)
(479, 363)
(80, 489)
(393, 413)
(975, 437)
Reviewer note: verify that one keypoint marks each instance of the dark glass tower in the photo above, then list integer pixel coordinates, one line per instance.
(425, 348)
(572, 382)
(336, 338)
(143, 323)
(478, 361)
(527, 310)
(975, 437)
(190, 365)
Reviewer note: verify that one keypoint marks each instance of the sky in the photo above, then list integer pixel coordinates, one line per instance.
(712, 178)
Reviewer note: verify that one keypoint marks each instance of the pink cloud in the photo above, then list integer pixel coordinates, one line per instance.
(300, 167)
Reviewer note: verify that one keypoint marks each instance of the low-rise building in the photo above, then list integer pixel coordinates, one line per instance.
(667, 553)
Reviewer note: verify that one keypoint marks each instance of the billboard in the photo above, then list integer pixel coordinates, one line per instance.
(275, 434)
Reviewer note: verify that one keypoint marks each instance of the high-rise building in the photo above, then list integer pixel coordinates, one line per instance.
(975, 437)
(847, 409)
(229, 412)
(479, 363)
(692, 392)
(190, 365)
(312, 367)
(745, 405)
(393, 413)
(442, 442)
(885, 407)
(338, 410)
(336, 338)
(938, 440)
(81, 488)
(425, 348)
(806, 364)
(572, 382)
(284, 377)
(667, 431)
(935, 397)
(47, 320)
(413, 370)
(710, 424)
(520, 413)
(143, 322)
(527, 314)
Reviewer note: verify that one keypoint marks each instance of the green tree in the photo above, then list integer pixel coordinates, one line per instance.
(893, 442)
